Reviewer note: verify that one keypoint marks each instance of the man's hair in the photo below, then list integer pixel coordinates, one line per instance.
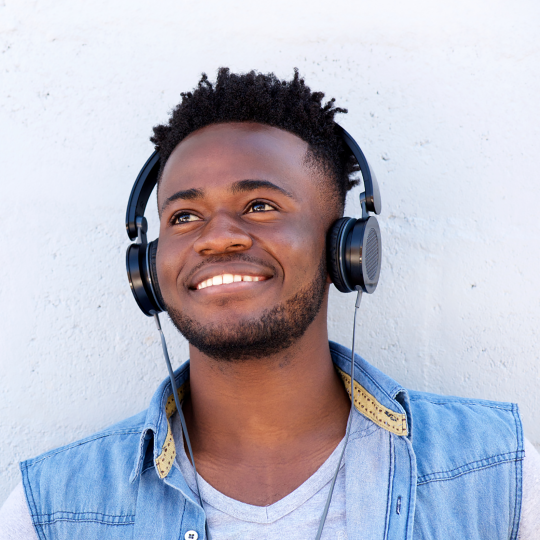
(263, 98)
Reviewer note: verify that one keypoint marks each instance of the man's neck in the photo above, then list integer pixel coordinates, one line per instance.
(261, 427)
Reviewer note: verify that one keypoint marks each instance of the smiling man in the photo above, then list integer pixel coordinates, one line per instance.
(253, 174)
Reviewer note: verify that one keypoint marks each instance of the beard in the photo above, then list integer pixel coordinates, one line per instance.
(275, 330)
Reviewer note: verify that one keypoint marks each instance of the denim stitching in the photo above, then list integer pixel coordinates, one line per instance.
(140, 455)
(515, 522)
(168, 385)
(426, 480)
(52, 453)
(487, 459)
(519, 477)
(33, 509)
(391, 474)
(52, 522)
(412, 507)
(368, 376)
(395, 390)
(462, 401)
(162, 465)
(89, 512)
(89, 517)
(160, 417)
(412, 486)
(356, 365)
(367, 405)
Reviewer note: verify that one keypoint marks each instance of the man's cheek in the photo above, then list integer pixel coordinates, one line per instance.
(169, 271)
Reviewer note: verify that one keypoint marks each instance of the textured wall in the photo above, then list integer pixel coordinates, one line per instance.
(444, 100)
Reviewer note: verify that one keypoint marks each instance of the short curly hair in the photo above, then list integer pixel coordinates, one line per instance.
(263, 98)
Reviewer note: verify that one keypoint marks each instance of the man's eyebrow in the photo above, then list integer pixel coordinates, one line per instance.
(241, 186)
(251, 185)
(186, 194)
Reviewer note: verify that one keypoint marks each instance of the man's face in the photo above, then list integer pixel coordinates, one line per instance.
(242, 239)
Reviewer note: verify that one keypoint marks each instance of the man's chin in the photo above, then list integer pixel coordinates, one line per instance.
(275, 330)
(242, 340)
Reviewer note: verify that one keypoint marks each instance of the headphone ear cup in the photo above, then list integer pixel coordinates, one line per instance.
(142, 275)
(363, 254)
(136, 266)
(336, 244)
(152, 255)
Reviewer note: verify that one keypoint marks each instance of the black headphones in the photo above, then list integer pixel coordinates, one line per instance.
(353, 245)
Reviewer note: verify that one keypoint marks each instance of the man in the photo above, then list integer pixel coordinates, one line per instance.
(253, 174)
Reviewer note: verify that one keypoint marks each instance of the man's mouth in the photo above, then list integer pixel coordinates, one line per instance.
(227, 279)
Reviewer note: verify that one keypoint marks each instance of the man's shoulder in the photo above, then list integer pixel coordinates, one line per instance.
(109, 439)
(85, 466)
(455, 435)
(89, 479)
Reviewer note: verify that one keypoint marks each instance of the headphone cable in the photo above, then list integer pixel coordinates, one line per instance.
(180, 413)
(188, 442)
(349, 421)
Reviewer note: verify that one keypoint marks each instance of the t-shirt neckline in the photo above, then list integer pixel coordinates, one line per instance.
(251, 513)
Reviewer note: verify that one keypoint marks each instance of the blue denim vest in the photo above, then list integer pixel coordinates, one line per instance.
(449, 468)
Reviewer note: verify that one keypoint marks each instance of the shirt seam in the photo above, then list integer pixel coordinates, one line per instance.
(470, 467)
(518, 498)
(53, 453)
(461, 401)
(372, 380)
(31, 503)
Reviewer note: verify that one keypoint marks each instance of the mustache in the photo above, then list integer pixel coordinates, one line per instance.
(227, 258)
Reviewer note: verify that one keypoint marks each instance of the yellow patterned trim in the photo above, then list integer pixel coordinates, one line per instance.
(364, 402)
(165, 460)
(367, 405)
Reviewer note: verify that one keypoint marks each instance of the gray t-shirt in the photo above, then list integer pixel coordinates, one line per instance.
(295, 517)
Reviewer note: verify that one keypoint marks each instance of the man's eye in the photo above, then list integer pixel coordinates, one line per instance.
(260, 206)
(185, 217)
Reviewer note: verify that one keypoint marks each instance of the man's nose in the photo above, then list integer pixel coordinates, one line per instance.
(224, 233)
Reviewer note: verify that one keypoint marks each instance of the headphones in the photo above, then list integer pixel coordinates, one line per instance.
(353, 245)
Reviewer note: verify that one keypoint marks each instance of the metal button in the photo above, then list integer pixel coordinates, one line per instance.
(191, 535)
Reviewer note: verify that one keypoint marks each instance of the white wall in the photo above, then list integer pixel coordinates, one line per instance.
(444, 100)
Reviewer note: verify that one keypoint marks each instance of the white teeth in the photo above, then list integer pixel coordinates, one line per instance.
(225, 279)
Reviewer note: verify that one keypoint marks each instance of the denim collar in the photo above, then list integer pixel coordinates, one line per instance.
(377, 397)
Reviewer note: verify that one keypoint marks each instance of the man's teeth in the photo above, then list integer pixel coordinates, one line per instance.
(224, 279)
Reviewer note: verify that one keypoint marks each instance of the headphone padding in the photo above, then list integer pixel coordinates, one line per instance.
(152, 255)
(335, 262)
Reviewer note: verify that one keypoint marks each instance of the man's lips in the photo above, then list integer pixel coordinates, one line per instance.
(228, 275)
(227, 279)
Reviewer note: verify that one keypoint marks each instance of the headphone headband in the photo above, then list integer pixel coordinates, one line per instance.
(142, 189)
(353, 245)
(147, 179)
(371, 186)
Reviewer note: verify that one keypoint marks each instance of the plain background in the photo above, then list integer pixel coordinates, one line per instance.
(442, 96)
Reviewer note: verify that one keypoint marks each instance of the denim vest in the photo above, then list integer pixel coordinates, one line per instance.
(449, 468)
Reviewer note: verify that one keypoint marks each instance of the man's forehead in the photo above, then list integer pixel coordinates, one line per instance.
(224, 154)
(246, 140)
